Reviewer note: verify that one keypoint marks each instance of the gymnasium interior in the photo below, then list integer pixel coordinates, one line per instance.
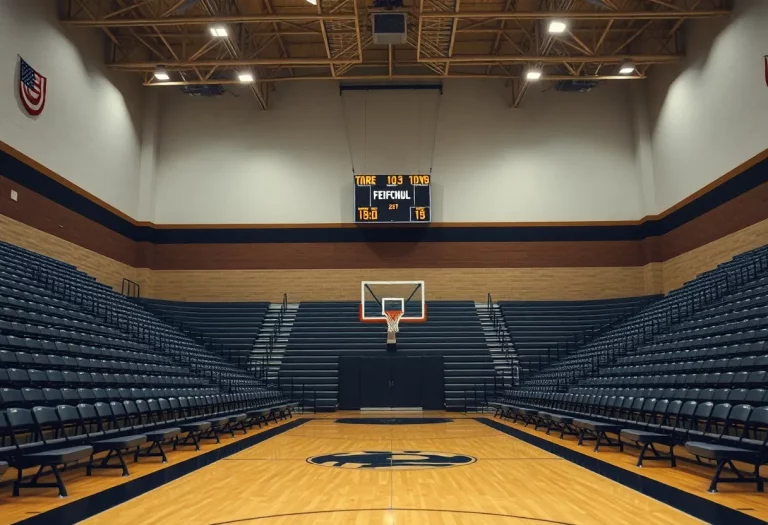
(388, 262)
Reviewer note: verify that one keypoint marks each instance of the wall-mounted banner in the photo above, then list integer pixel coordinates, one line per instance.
(765, 58)
(32, 88)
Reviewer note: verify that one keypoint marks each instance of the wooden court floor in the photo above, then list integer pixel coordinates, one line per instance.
(687, 476)
(511, 482)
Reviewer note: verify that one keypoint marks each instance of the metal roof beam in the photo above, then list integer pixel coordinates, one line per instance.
(579, 15)
(203, 20)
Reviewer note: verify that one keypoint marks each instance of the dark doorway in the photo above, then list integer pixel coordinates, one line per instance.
(391, 381)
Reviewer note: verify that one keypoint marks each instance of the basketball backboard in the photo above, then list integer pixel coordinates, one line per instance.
(377, 297)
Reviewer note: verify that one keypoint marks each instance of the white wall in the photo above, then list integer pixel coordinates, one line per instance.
(710, 114)
(89, 131)
(562, 157)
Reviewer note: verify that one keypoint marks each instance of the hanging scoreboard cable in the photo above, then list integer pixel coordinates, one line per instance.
(392, 198)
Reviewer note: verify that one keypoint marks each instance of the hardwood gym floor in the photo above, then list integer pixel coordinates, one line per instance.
(511, 482)
(272, 482)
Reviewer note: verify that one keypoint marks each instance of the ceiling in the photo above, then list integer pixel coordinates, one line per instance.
(293, 40)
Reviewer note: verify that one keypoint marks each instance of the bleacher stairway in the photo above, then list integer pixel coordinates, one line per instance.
(322, 332)
(505, 360)
(268, 350)
(537, 328)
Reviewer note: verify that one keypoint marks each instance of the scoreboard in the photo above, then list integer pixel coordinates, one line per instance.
(392, 198)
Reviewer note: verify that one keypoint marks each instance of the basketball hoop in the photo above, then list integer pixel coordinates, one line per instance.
(393, 319)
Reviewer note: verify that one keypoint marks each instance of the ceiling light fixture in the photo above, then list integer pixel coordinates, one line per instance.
(627, 68)
(161, 73)
(219, 31)
(557, 26)
(245, 76)
(533, 73)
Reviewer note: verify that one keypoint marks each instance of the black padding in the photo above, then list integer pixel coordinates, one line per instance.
(719, 452)
(597, 426)
(643, 436)
(119, 443)
(58, 456)
(195, 427)
(163, 434)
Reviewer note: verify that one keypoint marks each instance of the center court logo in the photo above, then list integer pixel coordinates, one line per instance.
(394, 460)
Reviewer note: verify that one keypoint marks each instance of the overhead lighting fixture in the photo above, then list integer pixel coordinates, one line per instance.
(557, 26)
(219, 31)
(245, 76)
(533, 73)
(161, 73)
(313, 2)
(627, 68)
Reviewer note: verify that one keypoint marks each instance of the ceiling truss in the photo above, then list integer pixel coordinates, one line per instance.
(293, 40)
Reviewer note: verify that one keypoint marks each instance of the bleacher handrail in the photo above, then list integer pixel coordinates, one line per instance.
(679, 305)
(130, 289)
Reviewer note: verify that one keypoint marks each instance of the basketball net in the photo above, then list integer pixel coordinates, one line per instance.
(393, 319)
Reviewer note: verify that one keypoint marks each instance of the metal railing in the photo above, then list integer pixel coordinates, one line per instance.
(505, 341)
(262, 368)
(477, 399)
(298, 392)
(130, 289)
(583, 338)
(694, 301)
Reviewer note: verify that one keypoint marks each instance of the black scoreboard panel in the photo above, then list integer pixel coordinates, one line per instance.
(392, 198)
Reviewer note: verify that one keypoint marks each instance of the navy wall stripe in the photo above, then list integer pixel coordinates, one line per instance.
(29, 177)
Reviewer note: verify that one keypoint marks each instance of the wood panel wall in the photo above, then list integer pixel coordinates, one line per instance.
(104, 269)
(678, 270)
(440, 283)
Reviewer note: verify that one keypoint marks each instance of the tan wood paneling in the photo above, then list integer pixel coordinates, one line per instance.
(687, 266)
(441, 283)
(106, 270)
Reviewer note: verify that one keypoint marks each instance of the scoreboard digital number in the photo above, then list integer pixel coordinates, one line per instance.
(392, 198)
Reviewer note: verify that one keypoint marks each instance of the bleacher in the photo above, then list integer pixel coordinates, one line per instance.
(691, 370)
(228, 328)
(542, 331)
(322, 332)
(84, 371)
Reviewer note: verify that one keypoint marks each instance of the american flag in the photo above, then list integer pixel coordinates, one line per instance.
(31, 88)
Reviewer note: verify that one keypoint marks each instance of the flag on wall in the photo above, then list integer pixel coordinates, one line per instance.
(766, 69)
(32, 87)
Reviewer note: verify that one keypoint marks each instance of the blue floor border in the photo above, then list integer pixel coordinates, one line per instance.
(89, 506)
(696, 506)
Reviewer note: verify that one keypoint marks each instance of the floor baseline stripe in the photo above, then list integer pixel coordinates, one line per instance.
(98, 502)
(696, 506)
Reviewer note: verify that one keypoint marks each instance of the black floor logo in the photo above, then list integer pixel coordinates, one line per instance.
(395, 460)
